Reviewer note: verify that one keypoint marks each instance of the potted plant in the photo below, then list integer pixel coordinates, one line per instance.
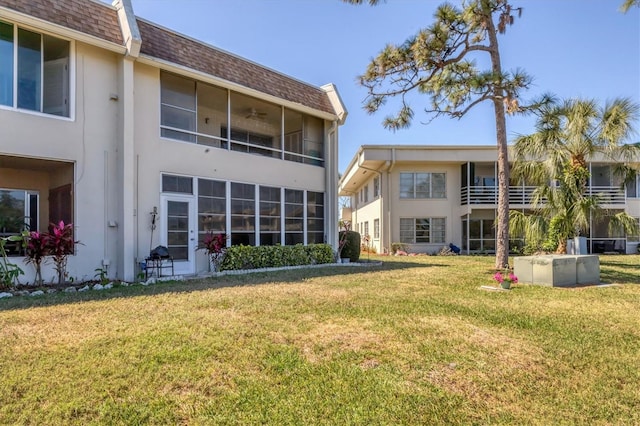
(214, 245)
(505, 278)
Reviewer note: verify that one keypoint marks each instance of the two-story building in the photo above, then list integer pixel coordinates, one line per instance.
(141, 136)
(429, 196)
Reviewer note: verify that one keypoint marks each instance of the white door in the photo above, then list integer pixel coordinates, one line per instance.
(178, 232)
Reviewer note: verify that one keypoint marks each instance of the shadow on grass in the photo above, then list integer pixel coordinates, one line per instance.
(206, 283)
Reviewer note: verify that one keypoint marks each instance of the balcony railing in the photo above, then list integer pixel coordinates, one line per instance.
(523, 195)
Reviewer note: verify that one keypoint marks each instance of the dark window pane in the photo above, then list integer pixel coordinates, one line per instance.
(179, 184)
(6, 64)
(29, 70)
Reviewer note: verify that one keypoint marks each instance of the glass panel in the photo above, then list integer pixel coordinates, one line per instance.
(438, 230)
(293, 134)
(315, 238)
(474, 228)
(212, 115)
(255, 122)
(6, 64)
(423, 185)
(438, 185)
(178, 229)
(292, 239)
(29, 70)
(422, 230)
(269, 239)
(55, 93)
(211, 188)
(406, 185)
(179, 184)
(242, 213)
(407, 231)
(178, 91)
(12, 211)
(33, 212)
(313, 139)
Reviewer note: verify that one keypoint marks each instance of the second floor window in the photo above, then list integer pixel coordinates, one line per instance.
(34, 71)
(196, 112)
(376, 187)
(422, 185)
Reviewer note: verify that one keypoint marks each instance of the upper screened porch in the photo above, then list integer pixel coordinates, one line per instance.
(479, 186)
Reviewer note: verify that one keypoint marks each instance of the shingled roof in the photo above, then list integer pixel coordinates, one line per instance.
(172, 47)
(101, 20)
(89, 17)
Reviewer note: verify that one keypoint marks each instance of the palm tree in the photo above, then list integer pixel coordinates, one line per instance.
(555, 160)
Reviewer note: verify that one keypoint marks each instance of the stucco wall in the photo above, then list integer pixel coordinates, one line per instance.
(86, 139)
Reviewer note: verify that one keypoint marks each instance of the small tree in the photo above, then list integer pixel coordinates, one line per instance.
(36, 250)
(61, 244)
(555, 160)
(439, 62)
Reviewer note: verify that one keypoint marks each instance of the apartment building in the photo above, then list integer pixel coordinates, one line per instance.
(141, 136)
(430, 196)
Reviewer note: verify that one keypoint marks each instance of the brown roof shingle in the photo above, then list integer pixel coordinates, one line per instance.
(89, 17)
(162, 44)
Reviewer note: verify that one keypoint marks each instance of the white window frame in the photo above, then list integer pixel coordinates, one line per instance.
(71, 74)
(413, 239)
(414, 192)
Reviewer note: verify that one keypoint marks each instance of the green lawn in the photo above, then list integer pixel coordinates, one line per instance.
(414, 341)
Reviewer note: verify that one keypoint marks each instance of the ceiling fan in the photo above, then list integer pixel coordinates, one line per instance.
(254, 113)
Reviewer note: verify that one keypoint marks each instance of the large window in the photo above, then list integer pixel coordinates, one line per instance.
(212, 207)
(269, 216)
(243, 214)
(294, 216)
(18, 211)
(376, 229)
(41, 63)
(481, 236)
(422, 230)
(197, 112)
(315, 217)
(422, 185)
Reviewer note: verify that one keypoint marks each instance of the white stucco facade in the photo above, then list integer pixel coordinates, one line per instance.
(108, 156)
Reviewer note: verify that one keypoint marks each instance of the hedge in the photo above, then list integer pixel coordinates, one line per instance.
(251, 257)
(351, 249)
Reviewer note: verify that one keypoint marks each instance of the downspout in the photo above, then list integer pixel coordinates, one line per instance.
(389, 170)
(380, 176)
(332, 179)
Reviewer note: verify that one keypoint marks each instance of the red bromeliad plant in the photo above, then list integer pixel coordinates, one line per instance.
(60, 244)
(214, 245)
(36, 248)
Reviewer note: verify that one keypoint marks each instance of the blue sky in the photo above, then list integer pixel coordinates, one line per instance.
(572, 48)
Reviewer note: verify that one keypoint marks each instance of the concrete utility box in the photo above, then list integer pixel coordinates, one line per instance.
(557, 270)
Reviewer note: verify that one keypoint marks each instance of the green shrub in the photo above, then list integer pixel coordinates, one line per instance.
(250, 257)
(351, 249)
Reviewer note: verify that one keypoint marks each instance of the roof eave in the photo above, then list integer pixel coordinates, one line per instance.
(209, 78)
(29, 20)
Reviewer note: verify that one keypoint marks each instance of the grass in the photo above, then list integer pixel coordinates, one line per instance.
(413, 341)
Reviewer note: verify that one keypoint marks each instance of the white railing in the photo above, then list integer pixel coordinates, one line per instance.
(524, 194)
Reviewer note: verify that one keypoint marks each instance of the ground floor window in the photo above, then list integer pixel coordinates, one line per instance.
(33, 194)
(18, 211)
(376, 228)
(252, 214)
(478, 235)
(422, 230)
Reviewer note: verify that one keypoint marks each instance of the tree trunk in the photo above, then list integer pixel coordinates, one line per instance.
(502, 228)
